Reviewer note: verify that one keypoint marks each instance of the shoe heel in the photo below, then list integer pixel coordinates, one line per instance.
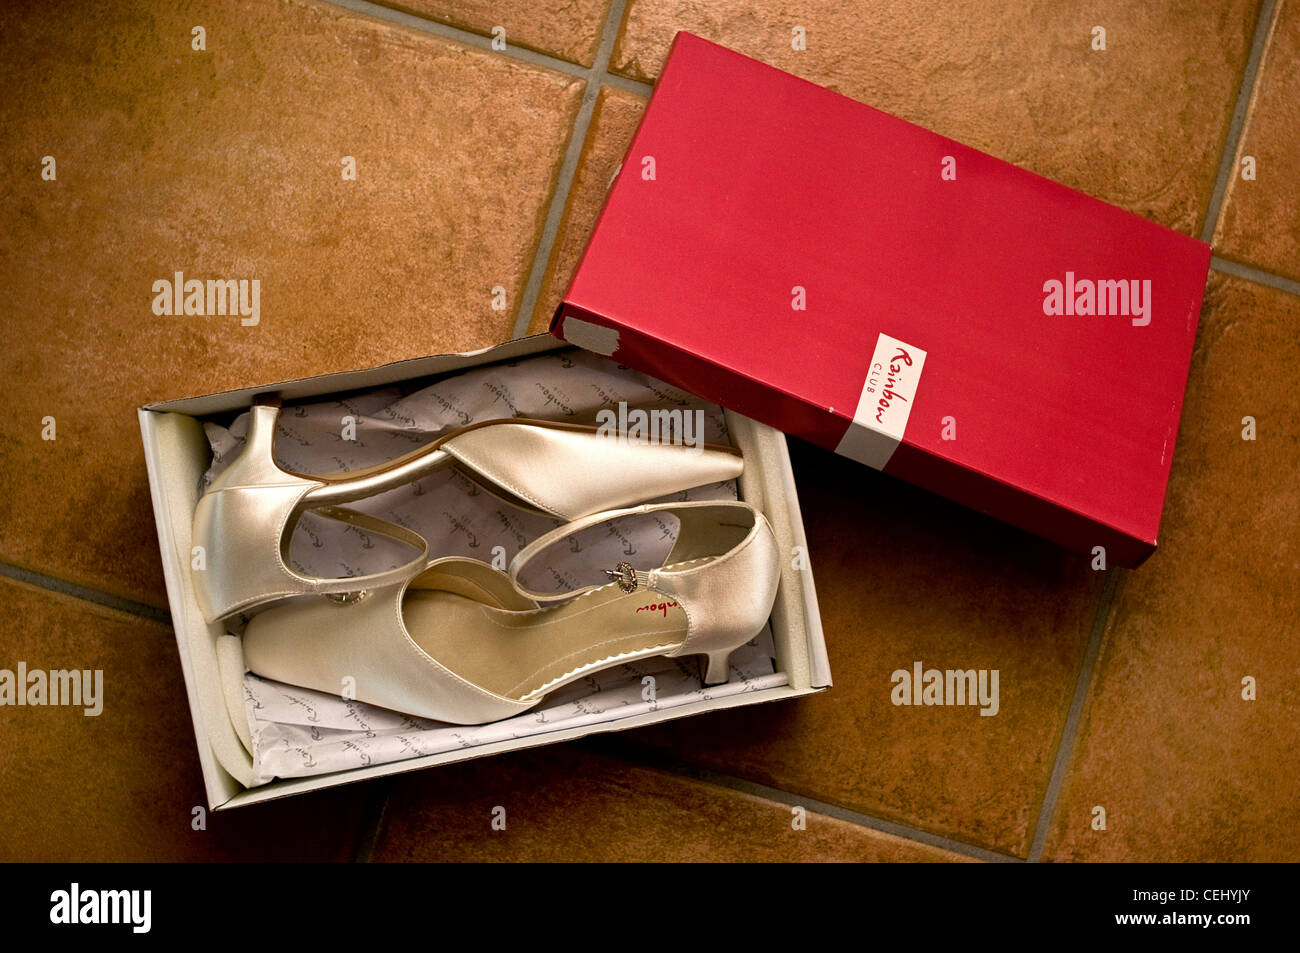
(715, 668)
(255, 465)
(262, 418)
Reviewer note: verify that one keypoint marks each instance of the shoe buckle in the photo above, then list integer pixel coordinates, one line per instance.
(625, 575)
(347, 598)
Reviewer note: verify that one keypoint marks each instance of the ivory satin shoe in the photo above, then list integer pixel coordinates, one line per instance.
(463, 643)
(246, 518)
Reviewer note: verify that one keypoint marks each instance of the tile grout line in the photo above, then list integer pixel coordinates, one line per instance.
(568, 168)
(1069, 731)
(460, 35)
(637, 754)
(84, 593)
(1267, 278)
(478, 41)
(1228, 160)
(627, 85)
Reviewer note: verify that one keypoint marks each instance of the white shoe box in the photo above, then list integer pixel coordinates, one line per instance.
(177, 455)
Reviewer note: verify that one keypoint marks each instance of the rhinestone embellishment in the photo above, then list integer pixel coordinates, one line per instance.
(625, 575)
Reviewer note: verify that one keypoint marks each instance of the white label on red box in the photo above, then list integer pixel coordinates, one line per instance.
(885, 404)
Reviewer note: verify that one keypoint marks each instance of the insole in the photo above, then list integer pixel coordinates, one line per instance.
(340, 476)
(517, 653)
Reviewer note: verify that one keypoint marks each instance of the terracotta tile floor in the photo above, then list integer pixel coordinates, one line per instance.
(1260, 224)
(230, 162)
(479, 174)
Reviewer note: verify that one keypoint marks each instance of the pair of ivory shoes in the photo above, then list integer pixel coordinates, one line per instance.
(454, 639)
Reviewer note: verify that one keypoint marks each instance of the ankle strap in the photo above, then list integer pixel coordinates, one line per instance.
(382, 528)
(643, 578)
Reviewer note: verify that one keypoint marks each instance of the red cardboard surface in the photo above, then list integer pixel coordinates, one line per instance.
(765, 232)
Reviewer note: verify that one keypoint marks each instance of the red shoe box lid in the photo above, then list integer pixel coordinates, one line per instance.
(904, 300)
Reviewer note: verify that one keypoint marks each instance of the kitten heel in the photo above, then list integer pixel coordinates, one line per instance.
(715, 668)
